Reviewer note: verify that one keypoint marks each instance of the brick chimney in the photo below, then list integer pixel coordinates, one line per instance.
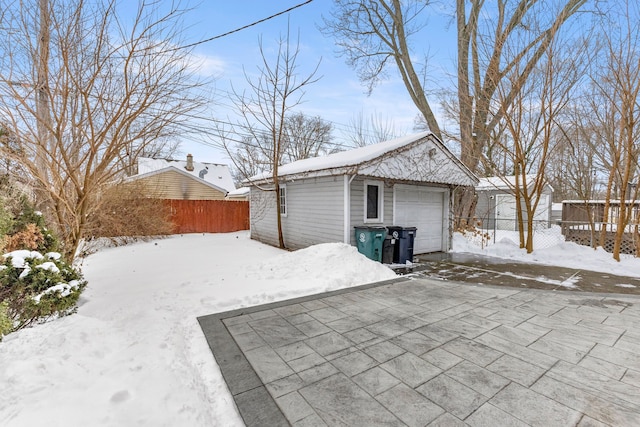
(189, 165)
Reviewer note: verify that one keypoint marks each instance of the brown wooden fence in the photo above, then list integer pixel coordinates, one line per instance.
(208, 216)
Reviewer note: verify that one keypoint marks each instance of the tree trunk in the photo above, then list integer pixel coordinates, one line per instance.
(276, 182)
(279, 218)
(607, 200)
(43, 114)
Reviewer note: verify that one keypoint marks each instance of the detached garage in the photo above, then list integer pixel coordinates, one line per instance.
(496, 205)
(403, 182)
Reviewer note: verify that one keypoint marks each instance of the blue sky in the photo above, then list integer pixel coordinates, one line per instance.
(337, 97)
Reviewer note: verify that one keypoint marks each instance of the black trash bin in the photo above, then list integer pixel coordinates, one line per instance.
(388, 248)
(404, 246)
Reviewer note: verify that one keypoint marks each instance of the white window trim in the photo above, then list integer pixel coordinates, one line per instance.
(380, 218)
(286, 204)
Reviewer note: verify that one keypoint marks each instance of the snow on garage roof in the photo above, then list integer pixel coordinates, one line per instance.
(501, 182)
(345, 159)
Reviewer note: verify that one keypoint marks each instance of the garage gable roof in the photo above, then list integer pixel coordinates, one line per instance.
(419, 157)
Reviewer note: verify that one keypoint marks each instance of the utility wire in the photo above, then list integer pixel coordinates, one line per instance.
(237, 29)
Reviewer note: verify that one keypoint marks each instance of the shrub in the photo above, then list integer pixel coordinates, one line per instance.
(25, 218)
(36, 287)
(124, 213)
(473, 231)
(29, 238)
(6, 325)
(33, 287)
(6, 219)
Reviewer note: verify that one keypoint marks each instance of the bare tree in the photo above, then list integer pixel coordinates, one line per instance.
(615, 100)
(574, 167)
(307, 137)
(373, 32)
(531, 126)
(246, 155)
(364, 131)
(303, 137)
(161, 147)
(264, 112)
(81, 89)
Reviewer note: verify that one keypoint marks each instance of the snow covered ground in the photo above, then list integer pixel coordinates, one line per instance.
(549, 249)
(134, 353)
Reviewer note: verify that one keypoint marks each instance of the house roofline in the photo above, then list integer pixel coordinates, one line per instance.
(172, 168)
(353, 169)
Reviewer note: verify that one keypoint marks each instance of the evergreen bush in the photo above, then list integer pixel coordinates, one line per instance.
(36, 287)
(33, 287)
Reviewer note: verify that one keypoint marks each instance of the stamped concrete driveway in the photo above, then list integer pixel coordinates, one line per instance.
(422, 352)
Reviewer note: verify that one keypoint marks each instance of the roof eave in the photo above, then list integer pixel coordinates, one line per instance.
(354, 168)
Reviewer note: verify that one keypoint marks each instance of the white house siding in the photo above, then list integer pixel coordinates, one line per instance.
(357, 206)
(314, 213)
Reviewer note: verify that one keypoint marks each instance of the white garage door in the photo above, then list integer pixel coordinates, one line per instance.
(422, 208)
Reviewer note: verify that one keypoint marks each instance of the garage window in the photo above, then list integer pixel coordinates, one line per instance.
(282, 199)
(373, 201)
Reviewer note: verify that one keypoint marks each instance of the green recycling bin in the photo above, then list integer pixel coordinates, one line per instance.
(369, 241)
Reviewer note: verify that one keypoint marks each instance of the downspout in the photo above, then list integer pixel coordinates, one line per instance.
(347, 208)
(447, 221)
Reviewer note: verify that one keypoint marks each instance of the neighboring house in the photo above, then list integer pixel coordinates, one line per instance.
(183, 180)
(496, 205)
(405, 182)
(239, 194)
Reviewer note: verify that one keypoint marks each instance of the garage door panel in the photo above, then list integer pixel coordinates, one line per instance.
(421, 208)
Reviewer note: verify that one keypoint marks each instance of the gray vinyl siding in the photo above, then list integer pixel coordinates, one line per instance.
(314, 213)
(357, 206)
(315, 209)
(262, 208)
